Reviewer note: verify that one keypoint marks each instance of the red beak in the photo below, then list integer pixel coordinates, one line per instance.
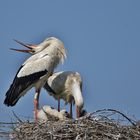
(30, 47)
(78, 112)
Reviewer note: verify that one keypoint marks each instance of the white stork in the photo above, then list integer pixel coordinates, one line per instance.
(67, 86)
(35, 70)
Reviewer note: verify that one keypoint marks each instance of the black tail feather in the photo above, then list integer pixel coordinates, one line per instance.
(13, 94)
(20, 86)
(49, 89)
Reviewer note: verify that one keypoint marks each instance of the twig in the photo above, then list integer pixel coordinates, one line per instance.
(116, 111)
(17, 117)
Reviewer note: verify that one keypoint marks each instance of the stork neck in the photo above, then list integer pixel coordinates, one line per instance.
(76, 91)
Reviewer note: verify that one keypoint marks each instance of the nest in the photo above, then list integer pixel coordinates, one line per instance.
(100, 125)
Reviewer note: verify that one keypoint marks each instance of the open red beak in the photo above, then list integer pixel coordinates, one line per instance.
(30, 47)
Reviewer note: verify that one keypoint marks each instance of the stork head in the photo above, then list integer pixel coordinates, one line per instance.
(49, 42)
(54, 45)
(77, 93)
(65, 113)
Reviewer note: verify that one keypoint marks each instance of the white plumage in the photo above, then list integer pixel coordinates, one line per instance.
(49, 113)
(35, 70)
(67, 86)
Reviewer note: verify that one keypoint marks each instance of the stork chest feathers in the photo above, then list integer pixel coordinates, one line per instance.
(54, 56)
(70, 89)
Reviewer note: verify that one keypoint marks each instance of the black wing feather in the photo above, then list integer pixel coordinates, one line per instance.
(49, 89)
(19, 85)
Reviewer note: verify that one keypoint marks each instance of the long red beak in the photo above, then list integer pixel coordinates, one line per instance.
(30, 47)
(25, 51)
(78, 112)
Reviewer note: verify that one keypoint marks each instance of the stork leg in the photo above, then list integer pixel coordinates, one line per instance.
(58, 104)
(71, 115)
(36, 102)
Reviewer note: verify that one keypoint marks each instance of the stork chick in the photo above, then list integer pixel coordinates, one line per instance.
(49, 113)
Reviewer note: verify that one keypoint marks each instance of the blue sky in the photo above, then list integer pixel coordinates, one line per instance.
(102, 40)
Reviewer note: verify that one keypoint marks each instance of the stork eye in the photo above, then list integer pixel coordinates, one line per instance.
(66, 112)
(48, 44)
(33, 51)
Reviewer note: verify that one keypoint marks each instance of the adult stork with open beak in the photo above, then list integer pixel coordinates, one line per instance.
(35, 71)
(67, 85)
